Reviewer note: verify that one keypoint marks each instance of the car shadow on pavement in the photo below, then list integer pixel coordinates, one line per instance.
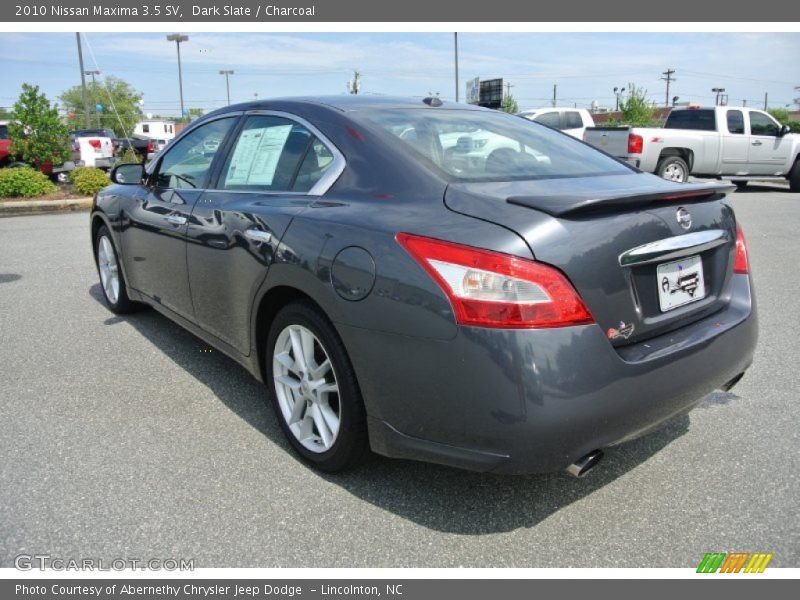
(760, 188)
(440, 498)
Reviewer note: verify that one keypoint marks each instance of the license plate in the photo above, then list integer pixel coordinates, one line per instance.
(680, 282)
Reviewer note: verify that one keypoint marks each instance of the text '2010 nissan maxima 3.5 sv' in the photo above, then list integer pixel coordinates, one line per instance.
(434, 281)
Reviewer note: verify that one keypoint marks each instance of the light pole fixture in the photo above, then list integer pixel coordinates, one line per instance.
(227, 73)
(618, 92)
(717, 91)
(94, 93)
(178, 38)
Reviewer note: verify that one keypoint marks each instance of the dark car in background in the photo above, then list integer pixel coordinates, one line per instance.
(434, 281)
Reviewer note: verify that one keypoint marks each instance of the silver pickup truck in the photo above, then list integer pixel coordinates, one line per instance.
(723, 142)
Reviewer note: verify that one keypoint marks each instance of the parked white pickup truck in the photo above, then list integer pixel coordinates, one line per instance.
(723, 142)
(572, 121)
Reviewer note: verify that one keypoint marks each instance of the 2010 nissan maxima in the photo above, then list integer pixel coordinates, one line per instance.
(434, 281)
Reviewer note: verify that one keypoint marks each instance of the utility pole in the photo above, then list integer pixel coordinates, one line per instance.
(227, 72)
(555, 95)
(766, 97)
(354, 85)
(178, 38)
(455, 38)
(797, 100)
(83, 83)
(508, 88)
(94, 94)
(744, 101)
(669, 79)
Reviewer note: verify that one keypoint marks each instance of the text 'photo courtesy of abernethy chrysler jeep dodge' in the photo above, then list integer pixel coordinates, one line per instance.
(436, 281)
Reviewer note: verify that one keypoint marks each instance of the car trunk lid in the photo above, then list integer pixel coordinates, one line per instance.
(617, 238)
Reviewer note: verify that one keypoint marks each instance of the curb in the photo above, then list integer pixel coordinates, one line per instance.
(15, 208)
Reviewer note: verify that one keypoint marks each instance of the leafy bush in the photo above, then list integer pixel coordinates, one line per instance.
(25, 182)
(636, 110)
(37, 133)
(782, 116)
(128, 156)
(89, 180)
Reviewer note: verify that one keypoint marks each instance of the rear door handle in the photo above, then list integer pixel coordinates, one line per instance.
(258, 235)
(176, 219)
(757, 143)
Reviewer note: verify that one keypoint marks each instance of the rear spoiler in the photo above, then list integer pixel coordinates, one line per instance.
(567, 205)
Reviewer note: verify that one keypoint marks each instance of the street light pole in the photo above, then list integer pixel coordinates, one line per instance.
(178, 38)
(456, 57)
(83, 83)
(94, 94)
(227, 72)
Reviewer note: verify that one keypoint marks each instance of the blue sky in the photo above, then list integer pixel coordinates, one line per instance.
(586, 66)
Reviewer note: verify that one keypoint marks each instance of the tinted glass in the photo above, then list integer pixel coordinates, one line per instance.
(551, 119)
(3, 132)
(188, 160)
(702, 120)
(572, 120)
(735, 121)
(761, 124)
(318, 159)
(471, 145)
(268, 155)
(97, 132)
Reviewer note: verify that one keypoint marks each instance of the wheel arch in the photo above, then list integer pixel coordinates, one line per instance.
(685, 153)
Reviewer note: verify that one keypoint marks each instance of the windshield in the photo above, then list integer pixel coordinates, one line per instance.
(492, 146)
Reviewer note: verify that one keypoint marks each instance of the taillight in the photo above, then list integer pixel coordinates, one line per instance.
(742, 264)
(96, 144)
(635, 143)
(491, 289)
(150, 146)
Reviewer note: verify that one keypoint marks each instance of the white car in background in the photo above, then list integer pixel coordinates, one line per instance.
(95, 150)
(572, 121)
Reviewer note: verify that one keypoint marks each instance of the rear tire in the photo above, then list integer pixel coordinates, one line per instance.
(673, 168)
(794, 177)
(313, 389)
(112, 280)
(740, 184)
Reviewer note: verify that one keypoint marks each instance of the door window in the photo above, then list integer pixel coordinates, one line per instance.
(276, 155)
(188, 161)
(761, 124)
(735, 121)
(573, 120)
(551, 119)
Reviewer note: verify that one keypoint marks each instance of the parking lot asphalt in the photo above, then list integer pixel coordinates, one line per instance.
(125, 437)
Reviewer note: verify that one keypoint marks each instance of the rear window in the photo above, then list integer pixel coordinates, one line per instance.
(3, 132)
(702, 120)
(469, 145)
(572, 120)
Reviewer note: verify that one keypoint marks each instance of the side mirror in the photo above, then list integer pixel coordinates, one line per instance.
(783, 130)
(128, 174)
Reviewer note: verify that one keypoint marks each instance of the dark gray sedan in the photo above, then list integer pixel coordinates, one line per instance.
(434, 281)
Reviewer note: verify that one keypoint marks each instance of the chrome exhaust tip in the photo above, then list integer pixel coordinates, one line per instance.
(583, 465)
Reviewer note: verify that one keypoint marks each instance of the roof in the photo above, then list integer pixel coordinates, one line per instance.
(350, 102)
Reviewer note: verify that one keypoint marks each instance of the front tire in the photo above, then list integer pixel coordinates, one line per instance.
(794, 177)
(313, 389)
(112, 281)
(673, 168)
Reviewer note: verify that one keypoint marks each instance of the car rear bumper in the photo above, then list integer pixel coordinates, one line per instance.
(522, 401)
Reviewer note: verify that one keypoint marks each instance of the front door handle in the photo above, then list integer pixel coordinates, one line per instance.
(258, 235)
(176, 219)
(757, 143)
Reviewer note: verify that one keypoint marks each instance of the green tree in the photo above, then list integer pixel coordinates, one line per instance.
(37, 132)
(782, 116)
(193, 113)
(509, 104)
(636, 110)
(120, 102)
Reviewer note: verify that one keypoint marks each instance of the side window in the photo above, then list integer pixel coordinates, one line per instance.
(735, 121)
(276, 155)
(146, 128)
(761, 124)
(551, 119)
(318, 159)
(573, 120)
(188, 161)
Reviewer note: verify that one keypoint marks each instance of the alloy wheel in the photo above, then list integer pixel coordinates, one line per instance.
(109, 270)
(306, 388)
